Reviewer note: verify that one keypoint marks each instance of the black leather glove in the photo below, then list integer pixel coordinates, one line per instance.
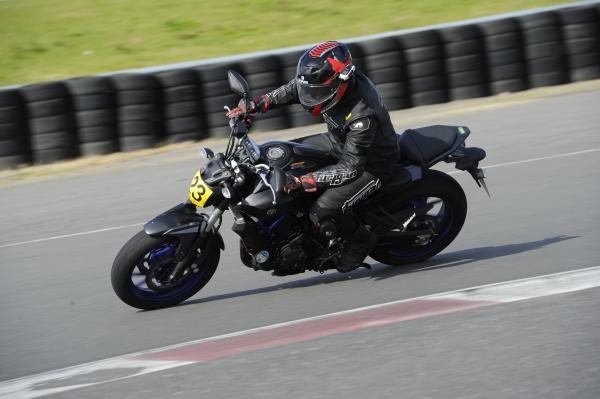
(261, 104)
(305, 183)
(292, 184)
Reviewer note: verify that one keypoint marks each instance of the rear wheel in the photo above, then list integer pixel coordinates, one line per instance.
(141, 272)
(439, 206)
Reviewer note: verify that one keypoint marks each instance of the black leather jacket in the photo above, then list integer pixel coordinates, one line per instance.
(360, 128)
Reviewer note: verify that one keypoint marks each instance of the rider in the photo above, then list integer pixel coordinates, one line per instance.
(360, 136)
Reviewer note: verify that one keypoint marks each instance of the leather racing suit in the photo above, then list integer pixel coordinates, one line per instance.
(362, 139)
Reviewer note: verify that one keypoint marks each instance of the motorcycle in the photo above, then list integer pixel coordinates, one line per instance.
(415, 215)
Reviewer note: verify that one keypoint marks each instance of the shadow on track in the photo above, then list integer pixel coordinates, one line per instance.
(381, 271)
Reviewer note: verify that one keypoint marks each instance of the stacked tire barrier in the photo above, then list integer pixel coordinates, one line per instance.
(215, 95)
(507, 70)
(95, 109)
(466, 68)
(581, 37)
(263, 75)
(183, 108)
(128, 111)
(384, 61)
(14, 132)
(425, 68)
(140, 115)
(544, 49)
(52, 127)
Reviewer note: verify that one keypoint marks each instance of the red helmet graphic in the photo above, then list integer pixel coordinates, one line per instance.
(323, 75)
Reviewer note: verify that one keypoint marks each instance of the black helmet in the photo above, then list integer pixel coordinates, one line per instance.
(323, 75)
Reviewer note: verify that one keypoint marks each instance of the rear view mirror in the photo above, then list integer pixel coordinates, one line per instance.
(238, 84)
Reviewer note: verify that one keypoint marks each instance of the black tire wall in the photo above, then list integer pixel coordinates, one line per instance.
(505, 56)
(384, 64)
(581, 38)
(140, 111)
(425, 67)
(466, 66)
(15, 148)
(183, 107)
(52, 127)
(95, 111)
(265, 74)
(544, 49)
(52, 121)
(215, 95)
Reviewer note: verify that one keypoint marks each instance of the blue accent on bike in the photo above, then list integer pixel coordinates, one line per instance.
(444, 219)
(162, 253)
(276, 223)
(159, 253)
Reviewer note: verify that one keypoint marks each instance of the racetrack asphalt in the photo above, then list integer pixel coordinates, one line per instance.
(58, 308)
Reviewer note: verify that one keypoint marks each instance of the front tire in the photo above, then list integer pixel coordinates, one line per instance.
(445, 190)
(138, 252)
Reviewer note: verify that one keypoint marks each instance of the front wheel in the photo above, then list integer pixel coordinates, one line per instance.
(435, 208)
(154, 289)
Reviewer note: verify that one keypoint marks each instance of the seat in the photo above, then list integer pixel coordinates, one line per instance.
(425, 144)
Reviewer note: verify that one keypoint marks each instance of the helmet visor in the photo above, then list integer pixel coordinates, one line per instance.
(311, 95)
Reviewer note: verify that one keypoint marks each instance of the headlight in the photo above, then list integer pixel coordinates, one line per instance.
(225, 192)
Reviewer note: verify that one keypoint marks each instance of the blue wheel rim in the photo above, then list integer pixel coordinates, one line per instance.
(445, 218)
(140, 287)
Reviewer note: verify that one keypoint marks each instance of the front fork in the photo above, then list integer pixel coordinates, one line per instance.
(191, 229)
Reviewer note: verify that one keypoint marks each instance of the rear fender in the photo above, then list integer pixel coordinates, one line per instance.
(467, 159)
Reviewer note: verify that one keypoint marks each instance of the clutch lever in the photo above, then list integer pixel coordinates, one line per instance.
(263, 176)
(262, 170)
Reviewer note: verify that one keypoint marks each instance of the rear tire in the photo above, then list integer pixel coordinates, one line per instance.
(128, 259)
(433, 184)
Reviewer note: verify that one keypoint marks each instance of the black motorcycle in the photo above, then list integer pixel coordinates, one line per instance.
(415, 216)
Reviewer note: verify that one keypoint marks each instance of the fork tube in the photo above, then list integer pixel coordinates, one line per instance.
(216, 215)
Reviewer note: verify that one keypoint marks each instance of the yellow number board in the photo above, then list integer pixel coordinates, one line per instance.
(199, 191)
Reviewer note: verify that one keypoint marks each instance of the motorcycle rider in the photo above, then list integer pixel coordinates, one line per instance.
(360, 136)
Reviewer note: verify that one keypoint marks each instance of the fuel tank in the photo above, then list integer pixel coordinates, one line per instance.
(294, 158)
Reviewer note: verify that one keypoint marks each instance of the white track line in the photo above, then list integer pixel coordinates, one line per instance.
(128, 365)
(567, 154)
(83, 233)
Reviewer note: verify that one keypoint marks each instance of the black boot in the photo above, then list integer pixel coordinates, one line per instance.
(357, 247)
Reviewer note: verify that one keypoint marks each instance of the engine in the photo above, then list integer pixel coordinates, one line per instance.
(291, 257)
